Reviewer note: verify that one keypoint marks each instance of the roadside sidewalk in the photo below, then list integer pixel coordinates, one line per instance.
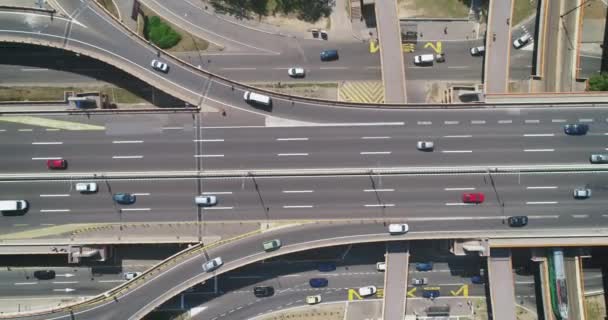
(124, 10)
(26, 4)
(444, 31)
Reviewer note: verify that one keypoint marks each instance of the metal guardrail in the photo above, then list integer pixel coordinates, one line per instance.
(541, 169)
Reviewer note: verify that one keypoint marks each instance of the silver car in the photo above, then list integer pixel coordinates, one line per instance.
(582, 193)
(205, 201)
(213, 264)
(425, 145)
(521, 41)
(160, 66)
(599, 158)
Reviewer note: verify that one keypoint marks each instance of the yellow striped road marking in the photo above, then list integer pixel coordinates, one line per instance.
(51, 123)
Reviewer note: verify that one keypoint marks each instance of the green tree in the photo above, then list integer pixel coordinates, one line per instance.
(160, 33)
(598, 82)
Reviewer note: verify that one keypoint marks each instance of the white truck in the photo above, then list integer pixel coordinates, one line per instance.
(13, 205)
(256, 98)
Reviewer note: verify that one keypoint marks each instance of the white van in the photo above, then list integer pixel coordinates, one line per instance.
(424, 59)
(13, 205)
(256, 98)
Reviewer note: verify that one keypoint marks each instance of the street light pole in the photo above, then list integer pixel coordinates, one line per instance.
(570, 11)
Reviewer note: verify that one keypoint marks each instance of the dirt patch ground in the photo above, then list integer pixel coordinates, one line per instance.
(522, 9)
(26, 93)
(291, 23)
(596, 307)
(525, 314)
(325, 90)
(432, 9)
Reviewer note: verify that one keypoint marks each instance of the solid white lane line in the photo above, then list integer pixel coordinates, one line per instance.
(217, 208)
(208, 140)
(243, 68)
(375, 152)
(110, 281)
(458, 204)
(54, 210)
(372, 138)
(25, 130)
(558, 120)
(451, 122)
(298, 191)
(141, 194)
(456, 151)
(378, 190)
(127, 157)
(541, 202)
(46, 143)
(380, 205)
(52, 129)
(135, 209)
(606, 133)
(128, 141)
(458, 67)
(333, 68)
(291, 154)
(459, 136)
(425, 123)
(292, 139)
(64, 282)
(296, 207)
(172, 128)
(539, 134)
(505, 121)
(48, 158)
(53, 195)
(208, 155)
(33, 69)
(580, 216)
(478, 121)
(531, 121)
(539, 150)
(458, 189)
(606, 149)
(218, 192)
(585, 120)
(24, 283)
(542, 187)
(2, 130)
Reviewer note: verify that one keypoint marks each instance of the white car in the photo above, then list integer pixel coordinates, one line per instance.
(86, 187)
(313, 299)
(478, 51)
(425, 145)
(521, 41)
(160, 66)
(367, 291)
(381, 266)
(205, 201)
(598, 158)
(296, 72)
(582, 193)
(212, 264)
(131, 275)
(398, 228)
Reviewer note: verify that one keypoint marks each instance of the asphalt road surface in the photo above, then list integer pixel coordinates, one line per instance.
(546, 198)
(179, 142)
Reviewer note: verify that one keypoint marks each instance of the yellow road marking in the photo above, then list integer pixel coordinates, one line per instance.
(51, 123)
(437, 46)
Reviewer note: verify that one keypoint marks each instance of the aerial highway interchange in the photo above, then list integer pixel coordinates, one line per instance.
(330, 181)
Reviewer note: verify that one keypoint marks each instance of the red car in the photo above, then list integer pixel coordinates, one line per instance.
(473, 197)
(57, 164)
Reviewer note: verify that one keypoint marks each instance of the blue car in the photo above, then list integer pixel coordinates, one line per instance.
(326, 267)
(329, 55)
(576, 129)
(430, 294)
(318, 282)
(124, 198)
(477, 279)
(424, 266)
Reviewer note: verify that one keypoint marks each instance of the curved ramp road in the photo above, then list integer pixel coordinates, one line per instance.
(138, 301)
